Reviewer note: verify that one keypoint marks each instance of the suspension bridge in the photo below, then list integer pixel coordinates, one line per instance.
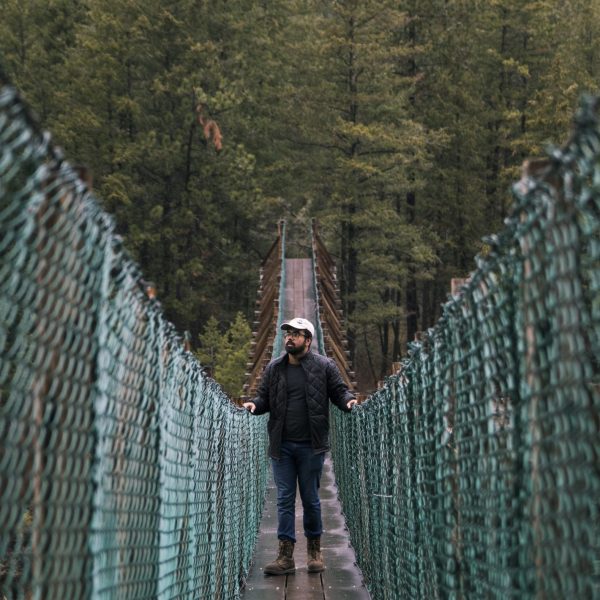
(126, 472)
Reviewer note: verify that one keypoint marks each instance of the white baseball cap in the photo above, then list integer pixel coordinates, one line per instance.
(299, 323)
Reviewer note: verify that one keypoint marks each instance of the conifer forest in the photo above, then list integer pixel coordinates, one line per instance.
(400, 126)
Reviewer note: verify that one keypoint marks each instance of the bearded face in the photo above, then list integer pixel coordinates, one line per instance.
(296, 342)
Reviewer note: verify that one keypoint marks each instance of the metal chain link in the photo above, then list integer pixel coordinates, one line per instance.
(474, 472)
(123, 468)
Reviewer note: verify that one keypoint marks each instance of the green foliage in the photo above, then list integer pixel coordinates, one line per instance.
(224, 355)
(399, 125)
(126, 93)
(360, 150)
(210, 342)
(232, 356)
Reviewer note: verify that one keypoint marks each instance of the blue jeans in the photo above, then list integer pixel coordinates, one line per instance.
(298, 465)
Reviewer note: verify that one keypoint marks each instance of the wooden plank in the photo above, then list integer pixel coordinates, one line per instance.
(342, 577)
(257, 585)
(341, 580)
(340, 593)
(299, 293)
(266, 592)
(304, 586)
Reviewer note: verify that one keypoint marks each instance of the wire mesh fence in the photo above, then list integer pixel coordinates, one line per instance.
(474, 472)
(123, 468)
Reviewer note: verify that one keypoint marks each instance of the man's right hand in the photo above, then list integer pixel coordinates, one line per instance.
(249, 406)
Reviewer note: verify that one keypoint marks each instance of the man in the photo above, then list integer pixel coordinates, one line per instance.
(295, 390)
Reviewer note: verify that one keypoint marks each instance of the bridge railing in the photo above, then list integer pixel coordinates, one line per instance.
(266, 341)
(331, 332)
(123, 468)
(473, 473)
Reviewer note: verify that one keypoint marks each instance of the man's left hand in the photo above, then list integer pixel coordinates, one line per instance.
(351, 403)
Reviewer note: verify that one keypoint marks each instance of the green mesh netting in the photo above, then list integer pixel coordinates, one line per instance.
(124, 471)
(475, 472)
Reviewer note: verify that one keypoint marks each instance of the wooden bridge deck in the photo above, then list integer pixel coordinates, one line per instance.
(341, 580)
(299, 294)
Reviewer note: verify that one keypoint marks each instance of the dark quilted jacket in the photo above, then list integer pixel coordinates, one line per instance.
(323, 383)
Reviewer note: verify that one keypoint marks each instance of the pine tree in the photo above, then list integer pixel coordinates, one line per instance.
(35, 38)
(399, 125)
(349, 147)
(569, 44)
(232, 355)
(157, 87)
(209, 343)
(223, 355)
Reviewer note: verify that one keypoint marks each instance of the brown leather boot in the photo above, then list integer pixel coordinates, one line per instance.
(315, 558)
(284, 563)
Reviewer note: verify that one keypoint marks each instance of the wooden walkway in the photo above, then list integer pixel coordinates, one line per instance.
(299, 293)
(341, 580)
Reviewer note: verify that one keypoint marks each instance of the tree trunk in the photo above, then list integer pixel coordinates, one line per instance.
(411, 297)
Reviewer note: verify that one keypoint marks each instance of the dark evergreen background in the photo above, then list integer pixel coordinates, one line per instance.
(399, 125)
